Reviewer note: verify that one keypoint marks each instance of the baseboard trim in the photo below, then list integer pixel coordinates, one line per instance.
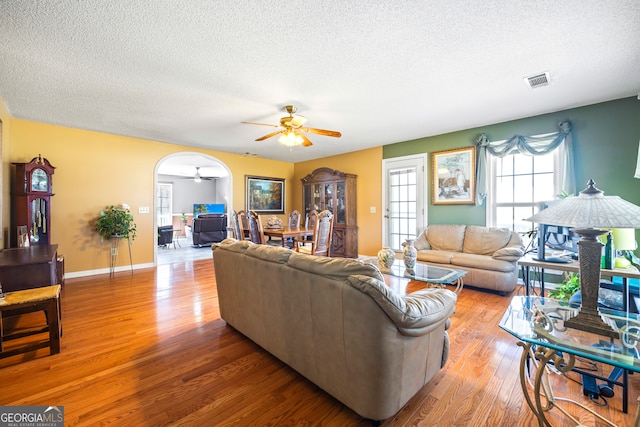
(86, 273)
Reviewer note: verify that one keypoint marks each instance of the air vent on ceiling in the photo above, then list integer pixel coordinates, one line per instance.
(537, 80)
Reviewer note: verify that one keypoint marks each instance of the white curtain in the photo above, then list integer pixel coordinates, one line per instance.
(534, 145)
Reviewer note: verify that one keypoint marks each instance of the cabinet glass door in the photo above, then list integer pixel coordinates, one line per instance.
(328, 196)
(341, 202)
(318, 202)
(306, 199)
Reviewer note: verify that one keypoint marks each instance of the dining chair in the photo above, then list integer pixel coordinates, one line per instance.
(322, 232)
(294, 219)
(256, 233)
(244, 220)
(238, 229)
(309, 222)
(294, 222)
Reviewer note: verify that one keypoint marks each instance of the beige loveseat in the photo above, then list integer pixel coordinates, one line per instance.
(489, 255)
(335, 322)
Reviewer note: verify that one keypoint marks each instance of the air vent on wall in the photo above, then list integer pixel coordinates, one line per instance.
(537, 80)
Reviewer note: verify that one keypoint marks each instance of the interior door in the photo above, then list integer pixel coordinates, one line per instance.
(403, 199)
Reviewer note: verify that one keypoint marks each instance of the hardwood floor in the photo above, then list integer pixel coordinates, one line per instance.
(149, 348)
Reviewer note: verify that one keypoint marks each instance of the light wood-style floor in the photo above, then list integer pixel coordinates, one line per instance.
(149, 349)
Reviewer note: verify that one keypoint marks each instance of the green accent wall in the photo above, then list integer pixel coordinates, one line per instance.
(605, 136)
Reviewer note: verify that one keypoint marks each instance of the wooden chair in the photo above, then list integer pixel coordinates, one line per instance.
(244, 221)
(309, 222)
(294, 222)
(256, 233)
(238, 229)
(322, 232)
(294, 219)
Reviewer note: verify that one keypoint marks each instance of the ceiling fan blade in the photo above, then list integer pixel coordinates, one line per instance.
(322, 132)
(260, 124)
(270, 135)
(305, 141)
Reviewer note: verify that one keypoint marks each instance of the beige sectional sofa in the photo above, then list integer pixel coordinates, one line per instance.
(335, 322)
(489, 255)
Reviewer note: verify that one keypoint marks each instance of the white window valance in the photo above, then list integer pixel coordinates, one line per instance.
(533, 145)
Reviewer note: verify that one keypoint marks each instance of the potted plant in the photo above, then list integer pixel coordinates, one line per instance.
(116, 221)
(566, 289)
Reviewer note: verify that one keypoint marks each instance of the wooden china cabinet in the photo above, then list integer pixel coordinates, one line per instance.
(330, 189)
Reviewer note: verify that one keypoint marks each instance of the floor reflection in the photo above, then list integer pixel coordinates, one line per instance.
(183, 250)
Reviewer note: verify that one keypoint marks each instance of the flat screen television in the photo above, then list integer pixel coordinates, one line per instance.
(207, 208)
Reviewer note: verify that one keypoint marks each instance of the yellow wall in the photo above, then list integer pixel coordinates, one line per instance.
(367, 164)
(94, 170)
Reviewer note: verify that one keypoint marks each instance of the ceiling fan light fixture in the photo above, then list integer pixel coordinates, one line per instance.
(290, 139)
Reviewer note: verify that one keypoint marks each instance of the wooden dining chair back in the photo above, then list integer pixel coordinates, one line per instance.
(309, 222)
(294, 219)
(256, 233)
(244, 220)
(238, 229)
(322, 232)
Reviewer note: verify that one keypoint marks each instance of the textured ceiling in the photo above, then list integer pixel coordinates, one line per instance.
(379, 71)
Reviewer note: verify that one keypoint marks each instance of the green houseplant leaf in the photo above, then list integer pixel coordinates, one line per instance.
(565, 290)
(116, 221)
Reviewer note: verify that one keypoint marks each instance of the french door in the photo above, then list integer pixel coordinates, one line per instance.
(403, 199)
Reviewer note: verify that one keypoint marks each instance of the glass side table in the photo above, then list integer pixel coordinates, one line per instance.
(538, 324)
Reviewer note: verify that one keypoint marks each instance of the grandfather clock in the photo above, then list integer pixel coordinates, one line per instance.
(31, 194)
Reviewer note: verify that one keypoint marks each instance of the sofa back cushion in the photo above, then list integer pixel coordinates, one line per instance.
(446, 237)
(485, 241)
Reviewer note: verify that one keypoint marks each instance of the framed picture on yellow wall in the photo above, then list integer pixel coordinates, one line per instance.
(454, 176)
(264, 195)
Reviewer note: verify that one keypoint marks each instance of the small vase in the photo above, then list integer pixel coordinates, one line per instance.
(386, 257)
(410, 254)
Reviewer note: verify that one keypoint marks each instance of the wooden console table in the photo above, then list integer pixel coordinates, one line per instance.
(528, 262)
(26, 268)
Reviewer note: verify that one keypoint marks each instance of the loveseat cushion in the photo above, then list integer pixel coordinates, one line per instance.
(482, 262)
(438, 257)
(446, 237)
(280, 255)
(415, 314)
(334, 268)
(485, 241)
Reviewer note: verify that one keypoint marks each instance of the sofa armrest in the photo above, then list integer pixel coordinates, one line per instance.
(420, 241)
(512, 253)
(415, 314)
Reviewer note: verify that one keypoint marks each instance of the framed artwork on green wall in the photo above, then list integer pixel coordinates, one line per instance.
(454, 174)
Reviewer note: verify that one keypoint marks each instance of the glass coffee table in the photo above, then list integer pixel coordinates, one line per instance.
(433, 275)
(538, 324)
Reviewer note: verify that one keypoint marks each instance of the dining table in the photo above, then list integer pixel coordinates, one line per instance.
(286, 233)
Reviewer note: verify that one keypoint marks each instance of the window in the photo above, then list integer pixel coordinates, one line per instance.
(165, 196)
(517, 183)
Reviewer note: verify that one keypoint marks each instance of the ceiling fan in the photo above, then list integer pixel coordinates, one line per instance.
(291, 130)
(198, 178)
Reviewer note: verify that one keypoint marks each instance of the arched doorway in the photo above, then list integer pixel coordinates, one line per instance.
(181, 181)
